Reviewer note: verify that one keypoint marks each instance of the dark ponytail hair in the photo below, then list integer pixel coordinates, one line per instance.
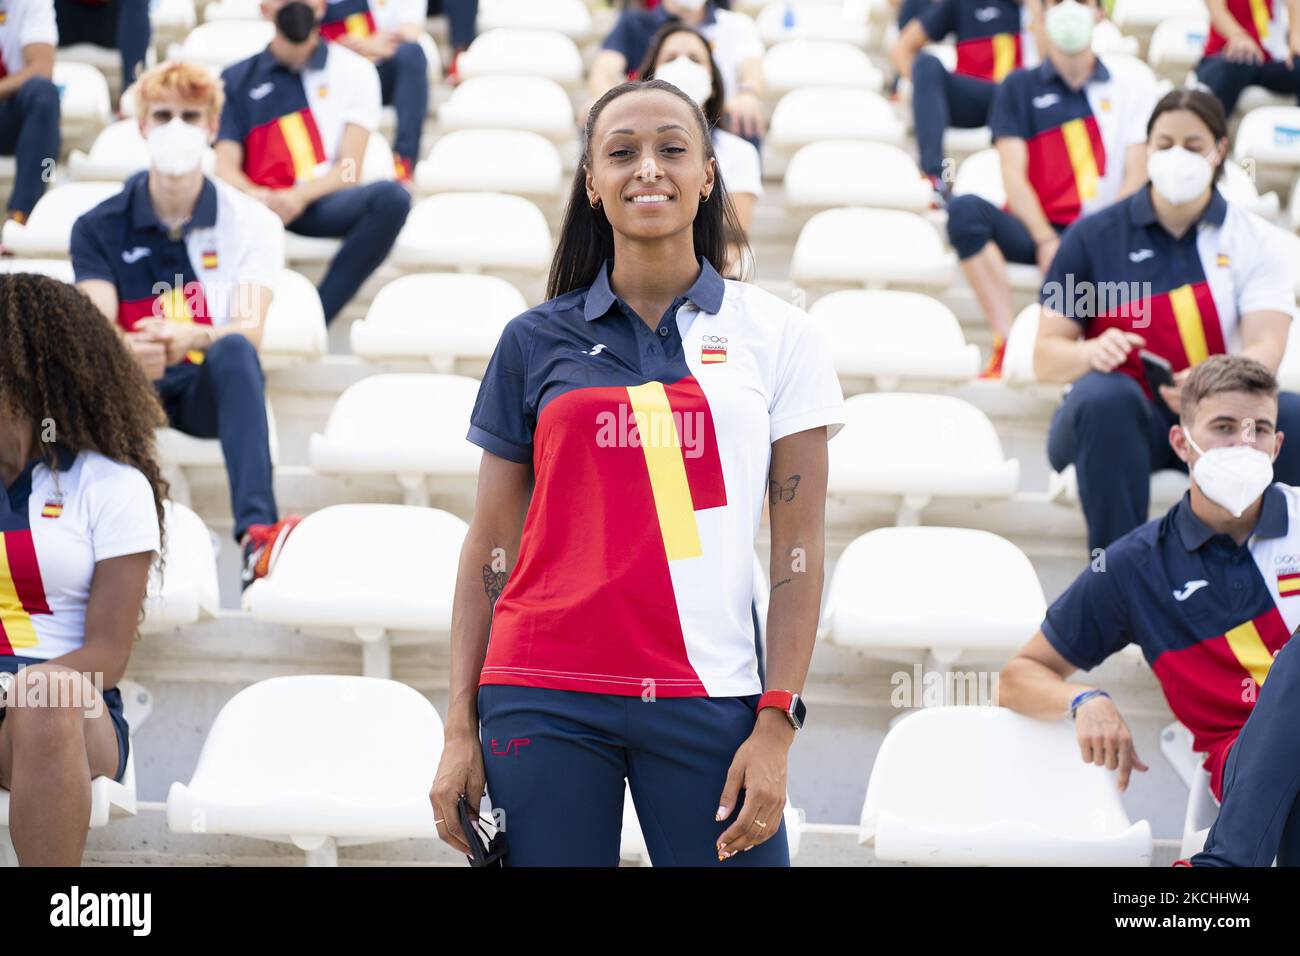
(586, 238)
(1204, 106)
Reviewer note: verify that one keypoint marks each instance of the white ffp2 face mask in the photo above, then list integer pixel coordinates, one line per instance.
(688, 76)
(1069, 26)
(1179, 174)
(1232, 476)
(176, 147)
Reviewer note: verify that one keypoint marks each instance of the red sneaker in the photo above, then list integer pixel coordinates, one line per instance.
(1181, 863)
(262, 544)
(994, 369)
(453, 71)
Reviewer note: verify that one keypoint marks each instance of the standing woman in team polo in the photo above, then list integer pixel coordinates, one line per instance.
(631, 426)
(80, 523)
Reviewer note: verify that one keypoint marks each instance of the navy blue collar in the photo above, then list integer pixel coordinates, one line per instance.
(21, 488)
(1143, 211)
(706, 292)
(1194, 532)
(1047, 72)
(144, 217)
(314, 62)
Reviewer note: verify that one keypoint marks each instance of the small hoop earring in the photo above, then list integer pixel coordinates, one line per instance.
(705, 197)
(594, 205)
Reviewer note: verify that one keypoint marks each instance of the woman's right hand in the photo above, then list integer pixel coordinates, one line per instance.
(459, 771)
(1111, 349)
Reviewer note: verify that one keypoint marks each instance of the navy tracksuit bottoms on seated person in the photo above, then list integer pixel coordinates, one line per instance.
(1116, 437)
(1227, 80)
(1259, 818)
(123, 24)
(404, 85)
(974, 222)
(224, 397)
(367, 218)
(941, 99)
(29, 132)
(556, 761)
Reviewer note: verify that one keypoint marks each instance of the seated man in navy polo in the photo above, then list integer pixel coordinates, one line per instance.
(733, 37)
(386, 32)
(29, 101)
(1251, 44)
(993, 38)
(293, 135)
(185, 267)
(1071, 138)
(1211, 594)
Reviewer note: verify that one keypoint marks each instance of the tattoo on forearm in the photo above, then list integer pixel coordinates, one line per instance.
(778, 584)
(493, 583)
(782, 491)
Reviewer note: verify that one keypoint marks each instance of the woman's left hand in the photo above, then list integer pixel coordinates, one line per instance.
(759, 768)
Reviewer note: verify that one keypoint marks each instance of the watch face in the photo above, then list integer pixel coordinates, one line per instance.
(797, 711)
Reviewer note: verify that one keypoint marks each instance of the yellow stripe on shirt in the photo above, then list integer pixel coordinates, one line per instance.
(663, 457)
(1191, 327)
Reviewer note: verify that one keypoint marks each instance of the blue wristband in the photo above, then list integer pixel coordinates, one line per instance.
(1086, 696)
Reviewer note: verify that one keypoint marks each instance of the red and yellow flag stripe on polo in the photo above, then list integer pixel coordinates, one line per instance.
(1250, 650)
(284, 151)
(989, 58)
(354, 24)
(1288, 585)
(1181, 326)
(1066, 165)
(1262, 16)
(186, 304)
(666, 466)
(22, 593)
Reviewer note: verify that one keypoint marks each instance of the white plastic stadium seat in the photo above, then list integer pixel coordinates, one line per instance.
(570, 17)
(814, 113)
(408, 425)
(958, 142)
(917, 447)
(1025, 797)
(1270, 135)
(295, 323)
(872, 247)
(83, 96)
(232, 10)
(1107, 38)
(810, 20)
(186, 591)
(361, 571)
(492, 160)
(438, 316)
(1167, 487)
(1202, 808)
(889, 335)
(1018, 362)
(980, 174)
(49, 228)
(632, 847)
(60, 269)
(892, 592)
(1143, 16)
(507, 52)
(320, 761)
(793, 64)
(854, 173)
(1238, 187)
(223, 42)
(173, 17)
(1131, 69)
(118, 152)
(1177, 46)
(473, 232)
(529, 103)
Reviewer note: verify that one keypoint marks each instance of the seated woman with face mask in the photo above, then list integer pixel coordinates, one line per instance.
(1140, 293)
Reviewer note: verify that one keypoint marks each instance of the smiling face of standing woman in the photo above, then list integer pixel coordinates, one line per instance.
(649, 166)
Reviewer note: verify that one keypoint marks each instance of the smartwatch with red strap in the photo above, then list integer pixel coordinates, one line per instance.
(789, 703)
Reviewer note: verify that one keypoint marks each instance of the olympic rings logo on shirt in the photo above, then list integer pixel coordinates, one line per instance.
(720, 339)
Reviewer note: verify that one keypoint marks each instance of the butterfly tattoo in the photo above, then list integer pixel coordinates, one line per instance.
(776, 491)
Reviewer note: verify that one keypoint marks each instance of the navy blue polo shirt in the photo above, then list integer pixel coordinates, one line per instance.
(1184, 295)
(991, 35)
(634, 30)
(1208, 614)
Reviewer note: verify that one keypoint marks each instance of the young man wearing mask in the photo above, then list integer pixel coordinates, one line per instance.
(1251, 44)
(733, 38)
(185, 267)
(1211, 594)
(386, 32)
(1071, 138)
(293, 135)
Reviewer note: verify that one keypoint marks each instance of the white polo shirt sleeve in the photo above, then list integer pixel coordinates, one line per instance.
(359, 82)
(1266, 285)
(807, 392)
(120, 509)
(263, 254)
(738, 162)
(37, 24)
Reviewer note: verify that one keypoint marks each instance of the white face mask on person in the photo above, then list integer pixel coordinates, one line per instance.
(1232, 476)
(688, 76)
(1179, 174)
(176, 147)
(1069, 26)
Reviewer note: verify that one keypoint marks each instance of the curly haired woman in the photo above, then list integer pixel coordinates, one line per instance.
(80, 524)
